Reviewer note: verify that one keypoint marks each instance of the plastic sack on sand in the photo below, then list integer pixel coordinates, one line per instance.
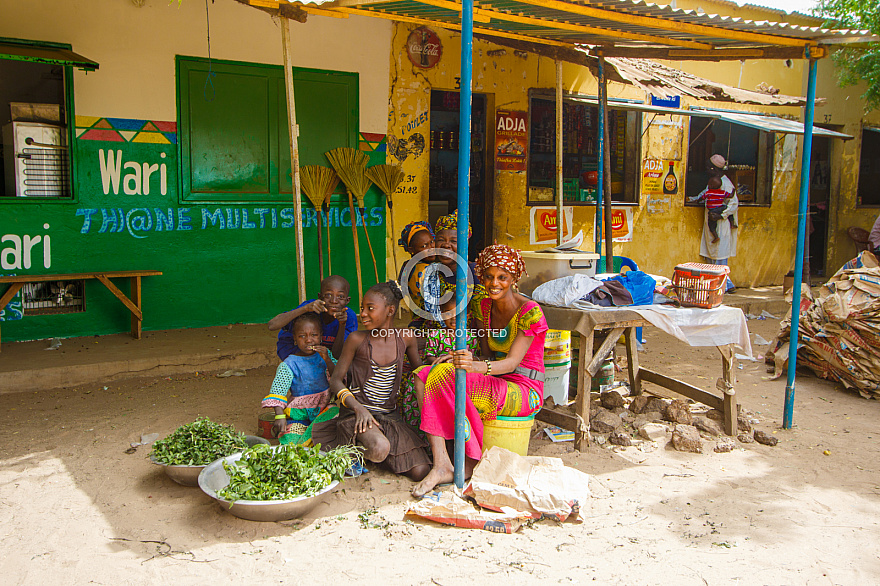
(448, 508)
(544, 487)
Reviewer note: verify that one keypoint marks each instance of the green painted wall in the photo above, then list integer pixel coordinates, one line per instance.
(228, 262)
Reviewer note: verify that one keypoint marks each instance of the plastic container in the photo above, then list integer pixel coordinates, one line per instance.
(546, 266)
(570, 189)
(510, 433)
(700, 285)
(264, 425)
(556, 382)
(604, 376)
(557, 348)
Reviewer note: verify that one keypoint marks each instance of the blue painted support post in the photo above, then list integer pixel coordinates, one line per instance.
(464, 199)
(600, 171)
(803, 204)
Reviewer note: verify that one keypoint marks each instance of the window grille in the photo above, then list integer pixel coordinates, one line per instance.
(53, 297)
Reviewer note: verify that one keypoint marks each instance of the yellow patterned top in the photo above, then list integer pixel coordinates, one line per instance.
(528, 319)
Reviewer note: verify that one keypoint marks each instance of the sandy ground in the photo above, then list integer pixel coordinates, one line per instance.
(76, 509)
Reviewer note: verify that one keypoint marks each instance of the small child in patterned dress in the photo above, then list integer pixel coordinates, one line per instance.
(301, 389)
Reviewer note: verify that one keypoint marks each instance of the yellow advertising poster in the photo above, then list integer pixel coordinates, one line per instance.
(543, 225)
(661, 176)
(621, 224)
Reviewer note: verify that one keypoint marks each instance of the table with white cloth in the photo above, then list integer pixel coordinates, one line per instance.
(722, 327)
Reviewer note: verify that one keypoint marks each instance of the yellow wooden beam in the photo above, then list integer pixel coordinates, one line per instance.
(519, 37)
(580, 28)
(453, 26)
(264, 3)
(479, 15)
(669, 25)
(355, 3)
(322, 12)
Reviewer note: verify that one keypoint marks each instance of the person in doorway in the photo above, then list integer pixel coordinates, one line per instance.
(509, 383)
(339, 321)
(874, 237)
(366, 382)
(720, 251)
(716, 203)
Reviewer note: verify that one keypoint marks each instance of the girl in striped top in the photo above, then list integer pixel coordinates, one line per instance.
(366, 383)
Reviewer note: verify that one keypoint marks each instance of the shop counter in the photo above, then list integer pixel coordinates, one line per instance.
(586, 323)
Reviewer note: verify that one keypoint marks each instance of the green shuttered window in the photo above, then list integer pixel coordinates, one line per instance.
(233, 129)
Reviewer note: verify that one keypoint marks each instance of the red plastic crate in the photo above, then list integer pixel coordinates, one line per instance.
(700, 285)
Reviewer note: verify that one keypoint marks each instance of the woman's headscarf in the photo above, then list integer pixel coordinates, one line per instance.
(718, 161)
(503, 257)
(411, 230)
(450, 222)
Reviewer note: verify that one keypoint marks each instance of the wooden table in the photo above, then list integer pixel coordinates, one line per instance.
(133, 304)
(586, 323)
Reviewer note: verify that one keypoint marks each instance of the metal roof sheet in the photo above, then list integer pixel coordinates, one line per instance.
(609, 22)
(41, 54)
(768, 123)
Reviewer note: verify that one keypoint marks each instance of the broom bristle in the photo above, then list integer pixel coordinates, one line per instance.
(387, 177)
(351, 164)
(316, 181)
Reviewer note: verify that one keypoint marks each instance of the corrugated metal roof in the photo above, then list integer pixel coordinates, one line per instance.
(609, 22)
(664, 82)
(768, 123)
(759, 121)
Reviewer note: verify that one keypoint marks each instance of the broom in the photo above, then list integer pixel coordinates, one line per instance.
(317, 182)
(360, 185)
(350, 165)
(327, 197)
(388, 178)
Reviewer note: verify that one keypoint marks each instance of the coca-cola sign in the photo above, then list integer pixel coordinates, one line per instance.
(424, 48)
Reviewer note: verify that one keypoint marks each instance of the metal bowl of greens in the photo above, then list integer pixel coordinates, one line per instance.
(275, 483)
(189, 448)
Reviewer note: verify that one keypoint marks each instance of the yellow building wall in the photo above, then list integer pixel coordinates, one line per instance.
(666, 232)
(845, 109)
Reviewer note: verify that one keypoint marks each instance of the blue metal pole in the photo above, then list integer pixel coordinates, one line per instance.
(600, 172)
(464, 199)
(803, 205)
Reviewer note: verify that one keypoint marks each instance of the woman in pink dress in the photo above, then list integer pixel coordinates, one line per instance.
(508, 382)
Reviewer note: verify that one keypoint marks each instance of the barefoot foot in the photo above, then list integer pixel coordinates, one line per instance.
(437, 475)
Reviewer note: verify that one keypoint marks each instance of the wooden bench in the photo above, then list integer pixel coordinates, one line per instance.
(133, 304)
(586, 323)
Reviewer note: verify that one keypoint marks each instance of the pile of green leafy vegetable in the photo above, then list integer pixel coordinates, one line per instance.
(266, 473)
(198, 444)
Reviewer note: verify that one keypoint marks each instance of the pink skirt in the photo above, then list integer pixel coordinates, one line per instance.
(509, 395)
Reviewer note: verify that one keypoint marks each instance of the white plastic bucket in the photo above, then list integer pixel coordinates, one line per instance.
(556, 380)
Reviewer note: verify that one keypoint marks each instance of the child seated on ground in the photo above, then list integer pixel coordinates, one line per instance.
(438, 347)
(301, 389)
(716, 204)
(335, 318)
(372, 366)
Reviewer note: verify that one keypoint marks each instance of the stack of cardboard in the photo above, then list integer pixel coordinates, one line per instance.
(839, 333)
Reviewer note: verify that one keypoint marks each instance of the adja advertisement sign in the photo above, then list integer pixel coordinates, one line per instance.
(511, 140)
